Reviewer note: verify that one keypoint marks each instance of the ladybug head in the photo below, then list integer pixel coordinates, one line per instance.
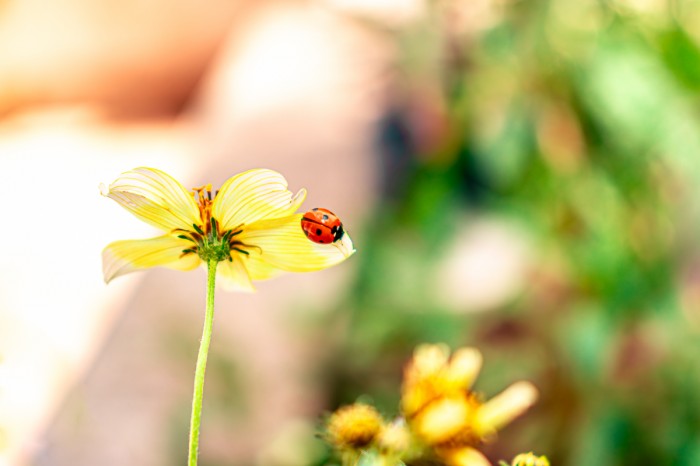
(338, 232)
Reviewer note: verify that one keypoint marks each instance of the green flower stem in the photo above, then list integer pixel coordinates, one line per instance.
(202, 365)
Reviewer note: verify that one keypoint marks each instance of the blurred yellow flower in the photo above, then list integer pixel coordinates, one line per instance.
(249, 227)
(529, 459)
(354, 426)
(394, 438)
(432, 375)
(445, 414)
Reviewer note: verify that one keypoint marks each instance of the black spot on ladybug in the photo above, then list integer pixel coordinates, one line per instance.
(325, 217)
(315, 209)
(318, 232)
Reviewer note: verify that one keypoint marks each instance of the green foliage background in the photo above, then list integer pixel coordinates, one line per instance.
(575, 124)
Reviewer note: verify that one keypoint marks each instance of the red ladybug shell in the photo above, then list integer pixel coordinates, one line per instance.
(322, 226)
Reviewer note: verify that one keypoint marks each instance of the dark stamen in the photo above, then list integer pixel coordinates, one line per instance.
(229, 234)
(241, 250)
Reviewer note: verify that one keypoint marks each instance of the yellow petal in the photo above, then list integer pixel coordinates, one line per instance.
(281, 243)
(466, 456)
(429, 360)
(258, 269)
(504, 407)
(464, 367)
(154, 197)
(254, 195)
(423, 377)
(122, 257)
(443, 419)
(233, 276)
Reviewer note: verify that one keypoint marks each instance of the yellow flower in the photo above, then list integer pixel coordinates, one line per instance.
(529, 459)
(354, 426)
(395, 438)
(432, 374)
(249, 227)
(445, 414)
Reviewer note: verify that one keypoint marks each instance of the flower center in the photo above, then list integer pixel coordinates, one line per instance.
(210, 241)
(203, 197)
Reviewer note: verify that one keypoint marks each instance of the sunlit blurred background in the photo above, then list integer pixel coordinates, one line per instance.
(518, 175)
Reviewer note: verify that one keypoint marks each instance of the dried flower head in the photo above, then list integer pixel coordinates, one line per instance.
(354, 426)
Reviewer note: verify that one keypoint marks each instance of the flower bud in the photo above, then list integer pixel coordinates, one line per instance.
(529, 459)
(354, 426)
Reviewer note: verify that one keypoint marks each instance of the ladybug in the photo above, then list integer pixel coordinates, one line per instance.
(322, 226)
